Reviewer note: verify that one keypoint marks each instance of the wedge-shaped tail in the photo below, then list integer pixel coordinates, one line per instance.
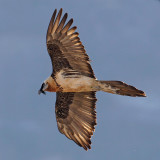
(121, 88)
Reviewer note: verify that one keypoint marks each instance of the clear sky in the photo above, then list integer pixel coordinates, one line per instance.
(122, 38)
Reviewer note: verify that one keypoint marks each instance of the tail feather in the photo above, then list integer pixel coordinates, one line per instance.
(121, 88)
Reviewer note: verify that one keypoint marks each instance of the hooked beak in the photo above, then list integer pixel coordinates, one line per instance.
(40, 91)
(43, 88)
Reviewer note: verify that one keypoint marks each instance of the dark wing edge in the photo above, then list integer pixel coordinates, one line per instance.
(64, 46)
(76, 116)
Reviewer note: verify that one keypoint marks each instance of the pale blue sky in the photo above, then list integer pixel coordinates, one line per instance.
(122, 39)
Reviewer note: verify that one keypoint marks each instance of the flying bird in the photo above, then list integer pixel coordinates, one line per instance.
(74, 82)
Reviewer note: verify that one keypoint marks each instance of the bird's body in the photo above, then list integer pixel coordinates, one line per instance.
(64, 83)
(74, 82)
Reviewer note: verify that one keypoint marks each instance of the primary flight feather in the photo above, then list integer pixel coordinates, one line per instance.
(74, 82)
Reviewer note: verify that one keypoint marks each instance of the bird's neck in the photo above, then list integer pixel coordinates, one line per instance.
(52, 85)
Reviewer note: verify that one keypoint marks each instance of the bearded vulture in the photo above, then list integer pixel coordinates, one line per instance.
(74, 82)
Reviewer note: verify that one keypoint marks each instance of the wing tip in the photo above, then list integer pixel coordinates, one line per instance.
(60, 11)
(55, 11)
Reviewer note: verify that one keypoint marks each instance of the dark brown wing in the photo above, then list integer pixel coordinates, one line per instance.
(65, 48)
(76, 116)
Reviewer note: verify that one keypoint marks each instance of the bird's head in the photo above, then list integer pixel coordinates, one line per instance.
(43, 88)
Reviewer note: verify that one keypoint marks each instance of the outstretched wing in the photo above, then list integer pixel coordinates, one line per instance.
(65, 48)
(76, 116)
